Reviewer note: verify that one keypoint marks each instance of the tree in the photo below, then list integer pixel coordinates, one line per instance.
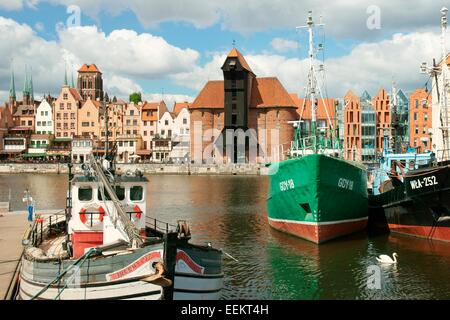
(136, 97)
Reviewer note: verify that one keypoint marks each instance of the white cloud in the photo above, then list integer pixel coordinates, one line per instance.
(344, 18)
(368, 66)
(168, 98)
(283, 45)
(11, 5)
(123, 56)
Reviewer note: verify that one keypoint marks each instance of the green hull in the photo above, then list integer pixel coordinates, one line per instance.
(318, 197)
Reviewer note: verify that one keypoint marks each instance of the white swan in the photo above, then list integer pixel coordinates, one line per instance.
(386, 259)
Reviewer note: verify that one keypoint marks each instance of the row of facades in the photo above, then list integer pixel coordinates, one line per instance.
(83, 120)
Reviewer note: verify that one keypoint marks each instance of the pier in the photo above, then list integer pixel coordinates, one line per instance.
(12, 228)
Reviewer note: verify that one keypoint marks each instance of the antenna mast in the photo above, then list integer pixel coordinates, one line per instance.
(444, 102)
(312, 80)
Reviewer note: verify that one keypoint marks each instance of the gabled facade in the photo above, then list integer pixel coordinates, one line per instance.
(88, 119)
(420, 119)
(382, 104)
(44, 118)
(352, 127)
(66, 112)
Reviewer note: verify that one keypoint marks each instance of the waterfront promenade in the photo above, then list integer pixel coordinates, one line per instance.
(12, 229)
(146, 168)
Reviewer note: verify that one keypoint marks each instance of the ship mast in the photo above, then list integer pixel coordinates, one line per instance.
(443, 102)
(312, 80)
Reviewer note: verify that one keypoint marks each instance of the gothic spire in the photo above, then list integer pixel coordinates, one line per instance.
(26, 90)
(12, 87)
(30, 86)
(73, 83)
(65, 74)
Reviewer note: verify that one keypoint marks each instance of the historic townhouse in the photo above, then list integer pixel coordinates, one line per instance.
(44, 118)
(420, 120)
(66, 112)
(150, 116)
(88, 119)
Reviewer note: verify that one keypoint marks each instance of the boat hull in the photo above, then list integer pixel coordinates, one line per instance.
(317, 197)
(113, 277)
(420, 207)
(198, 273)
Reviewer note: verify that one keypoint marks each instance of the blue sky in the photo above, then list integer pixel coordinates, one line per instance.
(176, 48)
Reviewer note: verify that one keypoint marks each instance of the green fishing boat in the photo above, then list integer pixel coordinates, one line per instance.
(317, 195)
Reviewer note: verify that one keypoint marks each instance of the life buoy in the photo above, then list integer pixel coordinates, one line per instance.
(95, 219)
(83, 215)
(138, 212)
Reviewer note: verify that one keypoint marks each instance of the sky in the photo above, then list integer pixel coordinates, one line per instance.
(170, 49)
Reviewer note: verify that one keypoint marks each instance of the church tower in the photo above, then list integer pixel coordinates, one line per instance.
(90, 82)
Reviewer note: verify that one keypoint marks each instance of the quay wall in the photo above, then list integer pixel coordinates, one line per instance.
(193, 169)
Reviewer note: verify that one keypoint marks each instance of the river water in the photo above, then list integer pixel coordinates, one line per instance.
(230, 212)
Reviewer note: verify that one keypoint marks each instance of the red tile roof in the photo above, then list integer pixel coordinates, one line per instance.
(266, 93)
(178, 106)
(304, 108)
(75, 94)
(234, 53)
(211, 96)
(89, 68)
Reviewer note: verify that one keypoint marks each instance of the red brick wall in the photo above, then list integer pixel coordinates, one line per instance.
(420, 119)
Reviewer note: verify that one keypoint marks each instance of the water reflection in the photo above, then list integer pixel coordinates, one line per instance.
(230, 212)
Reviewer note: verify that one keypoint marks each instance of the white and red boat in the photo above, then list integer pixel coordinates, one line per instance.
(104, 247)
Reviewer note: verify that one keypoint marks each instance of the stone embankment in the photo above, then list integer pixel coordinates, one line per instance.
(192, 169)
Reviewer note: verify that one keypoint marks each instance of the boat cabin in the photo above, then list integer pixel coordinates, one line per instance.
(94, 217)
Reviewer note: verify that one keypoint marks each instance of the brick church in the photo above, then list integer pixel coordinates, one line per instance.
(259, 109)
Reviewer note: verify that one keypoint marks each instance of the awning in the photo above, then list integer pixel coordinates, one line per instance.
(144, 152)
(34, 155)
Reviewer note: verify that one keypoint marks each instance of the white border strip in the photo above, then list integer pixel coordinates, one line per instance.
(318, 223)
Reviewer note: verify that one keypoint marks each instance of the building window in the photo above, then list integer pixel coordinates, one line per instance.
(163, 132)
(42, 113)
(128, 122)
(145, 133)
(425, 117)
(131, 143)
(417, 130)
(65, 96)
(166, 122)
(184, 121)
(39, 123)
(415, 116)
(85, 124)
(152, 133)
(69, 106)
(135, 123)
(88, 114)
(30, 122)
(417, 104)
(131, 112)
(61, 106)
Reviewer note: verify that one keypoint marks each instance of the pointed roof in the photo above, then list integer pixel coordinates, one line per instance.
(89, 68)
(366, 96)
(26, 89)
(234, 53)
(12, 87)
(178, 106)
(31, 87)
(75, 94)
